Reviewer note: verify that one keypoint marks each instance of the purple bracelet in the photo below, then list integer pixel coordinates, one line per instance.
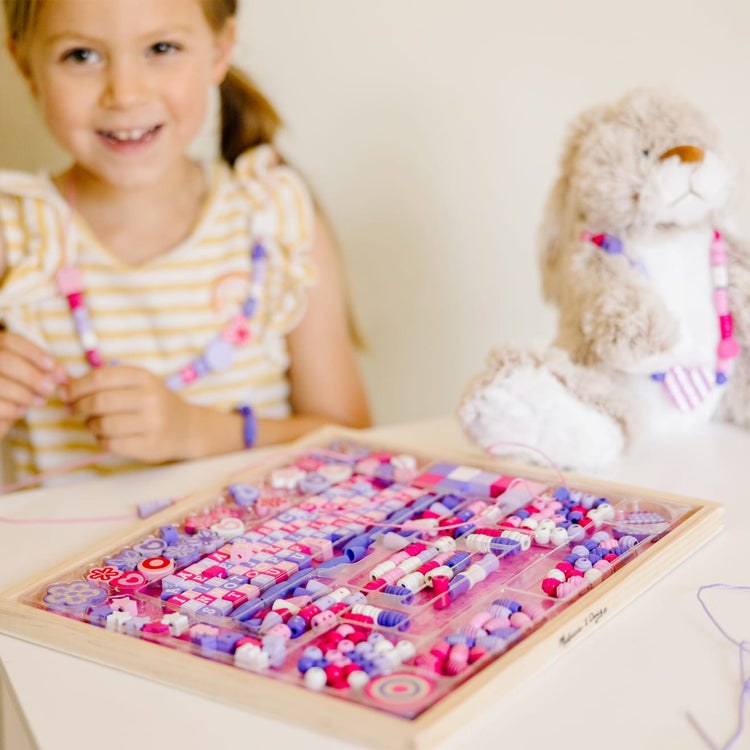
(249, 424)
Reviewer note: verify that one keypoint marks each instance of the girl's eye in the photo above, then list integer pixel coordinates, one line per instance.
(82, 56)
(164, 48)
(646, 151)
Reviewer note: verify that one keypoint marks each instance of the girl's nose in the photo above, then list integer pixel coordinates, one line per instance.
(126, 86)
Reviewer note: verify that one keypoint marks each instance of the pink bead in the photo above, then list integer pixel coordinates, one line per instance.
(728, 348)
(479, 619)
(75, 300)
(726, 325)
(441, 650)
(497, 622)
(721, 300)
(69, 281)
(188, 374)
(237, 331)
(520, 620)
(94, 358)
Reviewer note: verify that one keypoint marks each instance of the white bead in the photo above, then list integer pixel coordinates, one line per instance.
(556, 573)
(379, 570)
(340, 594)
(476, 574)
(558, 536)
(357, 679)
(315, 678)
(546, 524)
(463, 473)
(523, 539)
(491, 515)
(336, 472)
(404, 461)
(720, 275)
(406, 650)
(117, 620)
(410, 564)
(178, 624)
(445, 544)
(382, 647)
(607, 511)
(443, 570)
(414, 582)
(88, 340)
(529, 523)
(250, 656)
(592, 575)
(542, 536)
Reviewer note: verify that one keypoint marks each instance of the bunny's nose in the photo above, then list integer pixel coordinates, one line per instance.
(685, 153)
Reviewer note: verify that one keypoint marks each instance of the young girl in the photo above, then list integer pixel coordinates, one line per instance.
(153, 307)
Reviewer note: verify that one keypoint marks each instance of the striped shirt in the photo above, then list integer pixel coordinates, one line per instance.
(161, 314)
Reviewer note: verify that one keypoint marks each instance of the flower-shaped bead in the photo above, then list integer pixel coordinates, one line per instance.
(77, 595)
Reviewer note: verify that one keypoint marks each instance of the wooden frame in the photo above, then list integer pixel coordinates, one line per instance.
(353, 721)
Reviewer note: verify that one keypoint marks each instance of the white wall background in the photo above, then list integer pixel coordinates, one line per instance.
(430, 132)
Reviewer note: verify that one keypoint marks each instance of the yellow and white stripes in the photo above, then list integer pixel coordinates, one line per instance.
(163, 313)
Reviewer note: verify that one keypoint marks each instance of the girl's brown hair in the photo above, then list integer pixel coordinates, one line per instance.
(247, 118)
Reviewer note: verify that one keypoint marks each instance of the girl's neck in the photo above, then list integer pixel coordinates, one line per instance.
(137, 224)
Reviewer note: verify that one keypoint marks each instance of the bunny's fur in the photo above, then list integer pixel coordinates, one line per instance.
(650, 171)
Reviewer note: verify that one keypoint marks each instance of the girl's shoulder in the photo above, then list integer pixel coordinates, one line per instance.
(277, 194)
(28, 185)
(282, 216)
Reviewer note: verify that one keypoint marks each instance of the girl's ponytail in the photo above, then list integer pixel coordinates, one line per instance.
(247, 117)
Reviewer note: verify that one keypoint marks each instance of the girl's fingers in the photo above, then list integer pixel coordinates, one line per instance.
(10, 412)
(34, 355)
(19, 395)
(115, 426)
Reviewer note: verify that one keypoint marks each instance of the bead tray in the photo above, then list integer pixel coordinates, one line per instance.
(400, 588)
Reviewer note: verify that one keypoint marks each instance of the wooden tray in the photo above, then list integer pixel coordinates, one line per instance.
(356, 722)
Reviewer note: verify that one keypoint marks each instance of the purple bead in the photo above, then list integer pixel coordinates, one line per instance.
(219, 355)
(260, 271)
(658, 376)
(243, 494)
(200, 365)
(561, 494)
(258, 251)
(611, 245)
(169, 534)
(174, 383)
(248, 308)
(81, 319)
(150, 507)
(721, 378)
(313, 483)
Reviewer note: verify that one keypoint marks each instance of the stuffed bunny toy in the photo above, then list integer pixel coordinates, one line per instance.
(653, 294)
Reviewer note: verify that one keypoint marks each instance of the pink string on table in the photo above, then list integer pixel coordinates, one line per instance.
(744, 648)
(409, 525)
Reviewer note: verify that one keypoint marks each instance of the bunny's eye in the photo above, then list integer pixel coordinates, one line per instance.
(646, 151)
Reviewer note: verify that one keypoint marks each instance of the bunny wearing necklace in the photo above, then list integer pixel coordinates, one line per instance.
(653, 299)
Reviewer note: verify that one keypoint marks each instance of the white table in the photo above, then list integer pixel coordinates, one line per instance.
(628, 684)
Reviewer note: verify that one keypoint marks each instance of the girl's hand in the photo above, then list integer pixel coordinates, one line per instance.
(132, 413)
(28, 377)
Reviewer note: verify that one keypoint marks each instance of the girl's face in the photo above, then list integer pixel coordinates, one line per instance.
(123, 84)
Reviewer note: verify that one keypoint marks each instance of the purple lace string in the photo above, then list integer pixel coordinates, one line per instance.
(743, 647)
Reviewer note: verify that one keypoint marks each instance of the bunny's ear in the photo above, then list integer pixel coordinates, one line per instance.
(557, 207)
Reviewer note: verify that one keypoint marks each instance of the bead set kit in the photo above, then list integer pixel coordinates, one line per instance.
(392, 588)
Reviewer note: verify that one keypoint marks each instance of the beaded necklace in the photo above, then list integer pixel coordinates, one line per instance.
(687, 387)
(218, 354)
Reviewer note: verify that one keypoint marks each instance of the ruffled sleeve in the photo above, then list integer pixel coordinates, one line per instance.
(282, 220)
(31, 232)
